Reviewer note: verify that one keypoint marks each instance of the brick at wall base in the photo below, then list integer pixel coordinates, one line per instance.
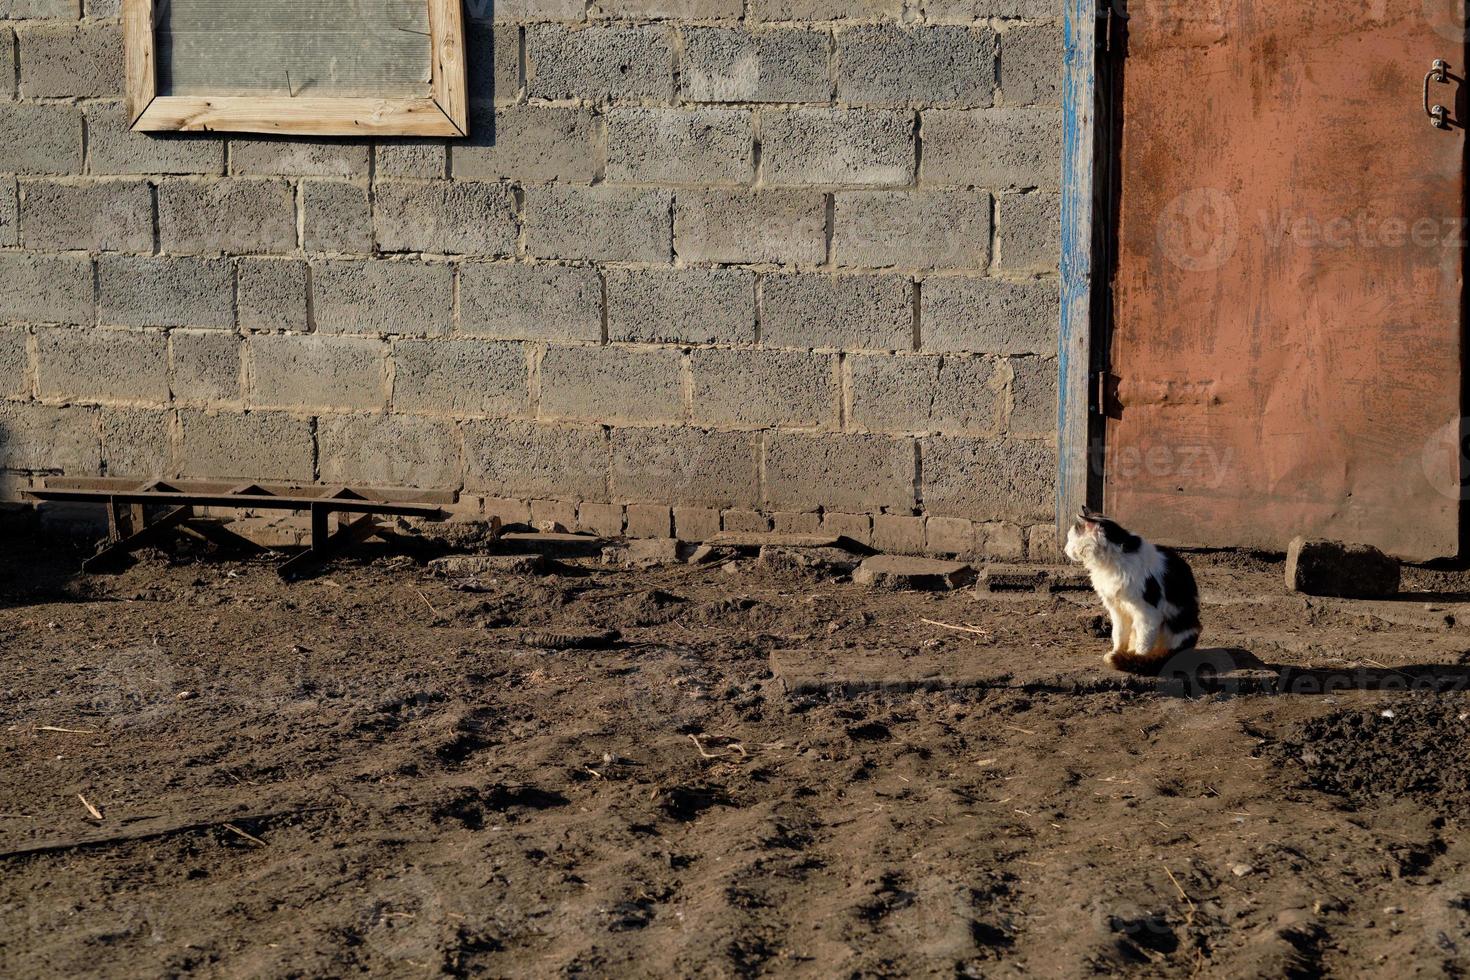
(898, 535)
(603, 519)
(696, 523)
(509, 511)
(649, 521)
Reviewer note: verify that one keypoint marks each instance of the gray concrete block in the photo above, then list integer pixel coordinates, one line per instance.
(317, 372)
(493, 60)
(38, 9)
(527, 302)
(650, 521)
(113, 148)
(599, 224)
(1030, 232)
(951, 536)
(815, 310)
(967, 11)
(531, 143)
(66, 61)
(989, 479)
(112, 215)
(519, 11)
(444, 217)
(148, 291)
(247, 445)
(762, 389)
(669, 9)
(272, 294)
(1030, 64)
(922, 394)
(680, 146)
(15, 363)
(40, 138)
(102, 8)
(731, 226)
(389, 451)
(137, 443)
(461, 378)
(889, 65)
(909, 229)
(9, 63)
(844, 472)
(694, 523)
(990, 316)
(612, 385)
(599, 63)
(45, 288)
(9, 212)
(1033, 397)
(528, 459)
(287, 157)
(205, 366)
(381, 297)
(854, 527)
(696, 467)
(698, 306)
(996, 148)
(43, 438)
(900, 534)
(826, 9)
(337, 217)
(841, 147)
(233, 216)
(723, 64)
(93, 365)
(426, 159)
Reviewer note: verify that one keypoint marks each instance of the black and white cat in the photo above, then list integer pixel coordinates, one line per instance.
(1149, 592)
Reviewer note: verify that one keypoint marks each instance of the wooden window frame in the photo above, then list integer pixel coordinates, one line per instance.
(444, 113)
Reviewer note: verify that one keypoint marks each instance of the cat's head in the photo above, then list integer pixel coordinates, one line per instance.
(1094, 538)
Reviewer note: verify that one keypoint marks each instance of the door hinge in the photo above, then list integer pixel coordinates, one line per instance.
(1103, 394)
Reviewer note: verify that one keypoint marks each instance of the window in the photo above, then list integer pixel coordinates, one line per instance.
(297, 67)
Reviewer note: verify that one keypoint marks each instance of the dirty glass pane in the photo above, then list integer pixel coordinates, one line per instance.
(377, 48)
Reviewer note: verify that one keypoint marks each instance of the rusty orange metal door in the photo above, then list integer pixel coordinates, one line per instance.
(1285, 349)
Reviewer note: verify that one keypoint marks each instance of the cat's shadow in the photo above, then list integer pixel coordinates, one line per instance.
(1236, 671)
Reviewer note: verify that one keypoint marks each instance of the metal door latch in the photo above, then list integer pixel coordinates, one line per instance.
(1438, 114)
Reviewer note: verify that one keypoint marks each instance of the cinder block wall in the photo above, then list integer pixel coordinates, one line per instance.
(703, 264)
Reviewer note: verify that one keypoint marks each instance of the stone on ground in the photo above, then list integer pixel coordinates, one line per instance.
(1318, 566)
(998, 579)
(469, 566)
(646, 553)
(554, 545)
(755, 540)
(913, 574)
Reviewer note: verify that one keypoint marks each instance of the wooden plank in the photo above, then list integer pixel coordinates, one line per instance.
(112, 484)
(138, 56)
(450, 82)
(298, 117)
(1074, 356)
(429, 511)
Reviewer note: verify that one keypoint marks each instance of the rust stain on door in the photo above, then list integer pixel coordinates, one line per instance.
(1287, 299)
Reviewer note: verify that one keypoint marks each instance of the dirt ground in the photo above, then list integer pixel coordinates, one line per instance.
(380, 771)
